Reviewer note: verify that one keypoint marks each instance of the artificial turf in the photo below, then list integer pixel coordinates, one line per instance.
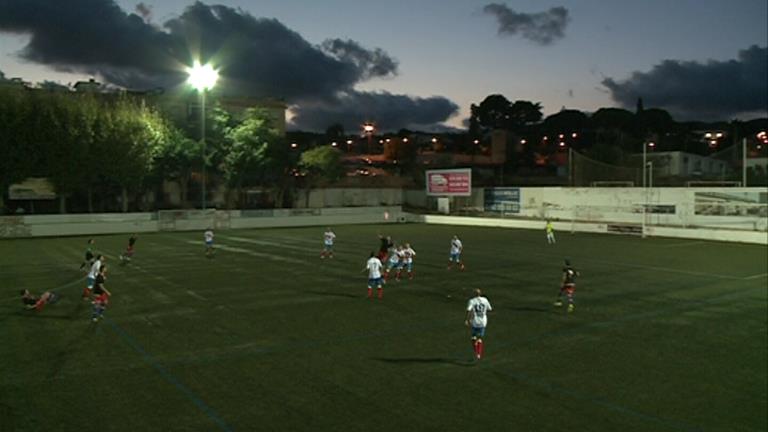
(667, 335)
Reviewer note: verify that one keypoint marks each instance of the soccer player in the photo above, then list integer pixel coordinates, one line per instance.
(550, 232)
(455, 257)
(386, 245)
(32, 301)
(91, 279)
(408, 254)
(102, 295)
(208, 235)
(568, 286)
(328, 238)
(477, 318)
(128, 254)
(394, 262)
(88, 255)
(373, 266)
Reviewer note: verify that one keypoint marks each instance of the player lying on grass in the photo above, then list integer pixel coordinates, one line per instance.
(32, 301)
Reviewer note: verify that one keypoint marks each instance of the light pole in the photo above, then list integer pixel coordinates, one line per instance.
(202, 78)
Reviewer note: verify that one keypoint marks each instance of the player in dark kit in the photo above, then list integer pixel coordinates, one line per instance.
(568, 286)
(386, 245)
(88, 255)
(101, 295)
(32, 301)
(128, 254)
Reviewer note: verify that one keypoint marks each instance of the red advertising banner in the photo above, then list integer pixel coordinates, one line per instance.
(451, 182)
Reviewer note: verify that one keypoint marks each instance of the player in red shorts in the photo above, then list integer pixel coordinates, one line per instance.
(101, 295)
(568, 286)
(386, 245)
(32, 301)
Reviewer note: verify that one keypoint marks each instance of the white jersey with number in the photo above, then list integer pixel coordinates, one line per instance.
(208, 236)
(374, 268)
(456, 246)
(408, 254)
(328, 238)
(95, 267)
(479, 306)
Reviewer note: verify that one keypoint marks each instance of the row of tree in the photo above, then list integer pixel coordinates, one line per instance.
(103, 149)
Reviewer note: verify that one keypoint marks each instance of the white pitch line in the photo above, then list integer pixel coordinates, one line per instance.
(757, 276)
(269, 243)
(691, 243)
(196, 295)
(268, 256)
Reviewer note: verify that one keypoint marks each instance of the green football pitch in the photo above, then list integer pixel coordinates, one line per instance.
(667, 335)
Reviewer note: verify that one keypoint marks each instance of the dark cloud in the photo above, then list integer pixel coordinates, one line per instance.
(257, 57)
(712, 90)
(370, 63)
(389, 111)
(145, 11)
(542, 27)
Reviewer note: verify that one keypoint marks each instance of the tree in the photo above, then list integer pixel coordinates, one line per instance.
(177, 159)
(523, 113)
(255, 153)
(19, 155)
(323, 164)
(335, 132)
(566, 121)
(496, 112)
(492, 113)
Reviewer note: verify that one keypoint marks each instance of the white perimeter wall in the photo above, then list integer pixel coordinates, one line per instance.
(110, 223)
(618, 205)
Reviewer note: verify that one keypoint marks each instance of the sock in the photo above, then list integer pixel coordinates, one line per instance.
(480, 348)
(410, 275)
(398, 275)
(39, 305)
(370, 292)
(86, 292)
(380, 292)
(474, 346)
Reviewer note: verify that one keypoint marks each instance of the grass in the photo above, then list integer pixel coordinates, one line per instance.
(668, 335)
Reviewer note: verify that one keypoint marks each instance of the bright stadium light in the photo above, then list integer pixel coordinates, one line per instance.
(202, 78)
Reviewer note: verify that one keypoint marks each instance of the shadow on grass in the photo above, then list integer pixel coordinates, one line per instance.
(532, 309)
(427, 360)
(333, 294)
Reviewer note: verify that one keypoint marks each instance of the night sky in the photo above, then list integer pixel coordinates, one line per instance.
(418, 64)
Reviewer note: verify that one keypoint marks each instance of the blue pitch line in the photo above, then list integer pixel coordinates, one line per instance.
(169, 377)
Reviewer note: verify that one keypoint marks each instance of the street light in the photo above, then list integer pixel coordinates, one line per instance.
(646, 145)
(202, 78)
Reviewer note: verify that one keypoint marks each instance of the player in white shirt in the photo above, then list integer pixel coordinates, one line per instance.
(408, 254)
(208, 236)
(477, 318)
(455, 257)
(394, 261)
(373, 266)
(328, 238)
(91, 279)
